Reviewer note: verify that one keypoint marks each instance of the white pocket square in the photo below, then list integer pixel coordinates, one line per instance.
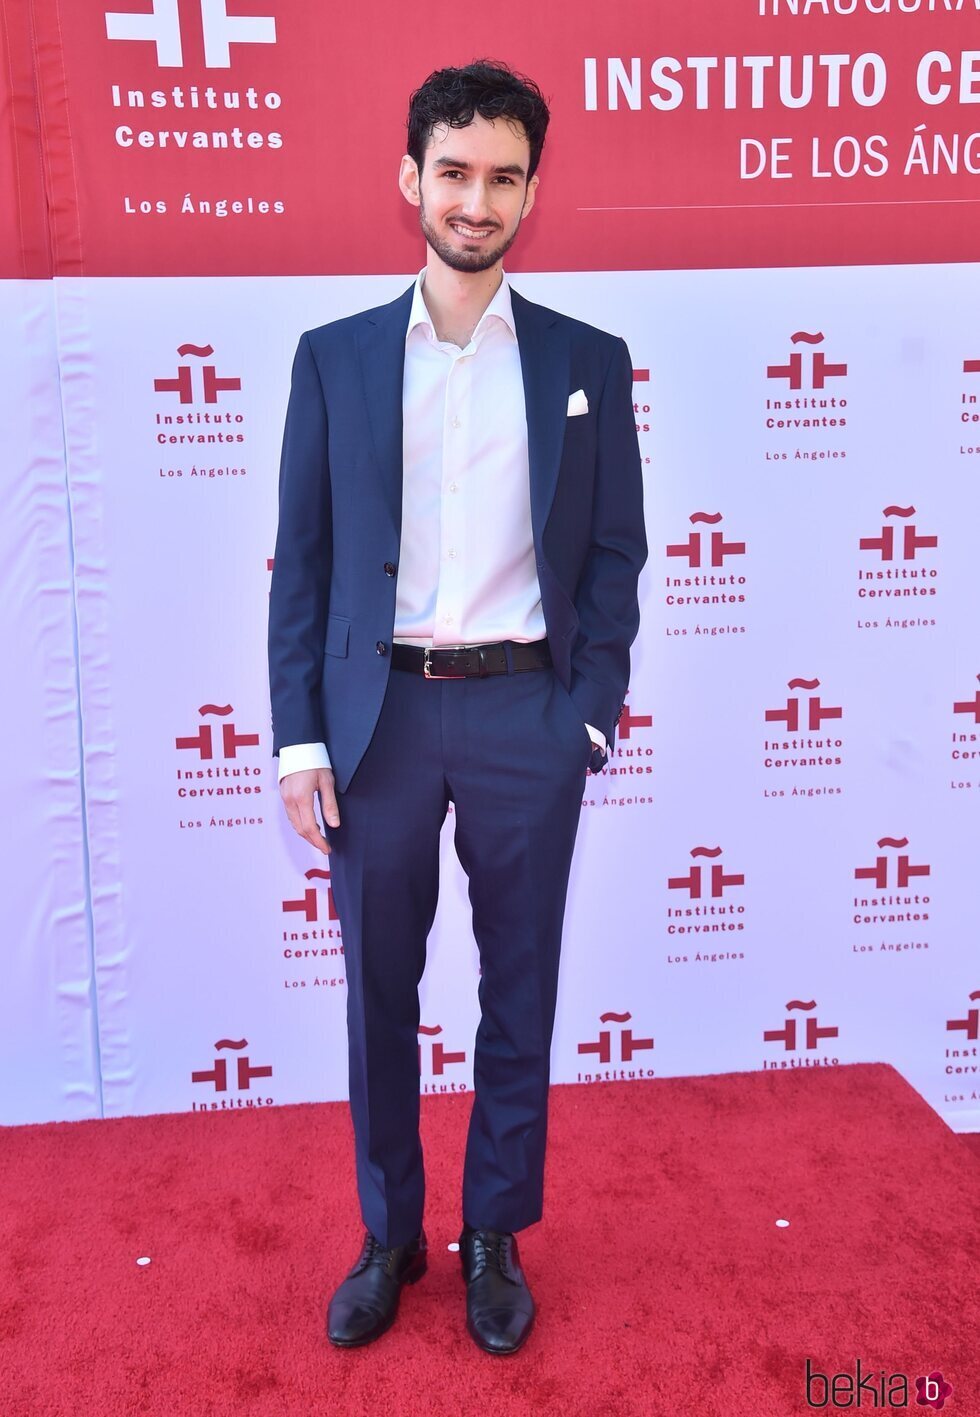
(577, 402)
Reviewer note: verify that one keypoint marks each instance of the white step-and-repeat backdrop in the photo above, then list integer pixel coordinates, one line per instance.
(777, 869)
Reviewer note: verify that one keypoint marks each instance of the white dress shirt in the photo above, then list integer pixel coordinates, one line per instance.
(467, 570)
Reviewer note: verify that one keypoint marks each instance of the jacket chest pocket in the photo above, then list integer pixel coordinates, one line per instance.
(338, 635)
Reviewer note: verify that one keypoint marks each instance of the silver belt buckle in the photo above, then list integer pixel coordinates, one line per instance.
(459, 649)
(426, 663)
(427, 667)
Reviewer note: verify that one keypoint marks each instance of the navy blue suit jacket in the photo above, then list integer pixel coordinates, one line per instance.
(332, 604)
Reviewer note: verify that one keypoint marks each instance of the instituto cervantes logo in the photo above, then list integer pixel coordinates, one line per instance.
(191, 419)
(970, 706)
(211, 747)
(816, 711)
(700, 549)
(889, 547)
(901, 575)
(963, 1060)
(222, 769)
(613, 1048)
(630, 756)
(969, 1025)
(707, 583)
(801, 718)
(308, 905)
(813, 400)
(718, 880)
(198, 42)
(708, 912)
(804, 370)
(211, 384)
(888, 899)
(161, 27)
(965, 752)
(897, 871)
(789, 1035)
(628, 720)
(435, 1058)
(641, 405)
(236, 1091)
(313, 934)
(968, 407)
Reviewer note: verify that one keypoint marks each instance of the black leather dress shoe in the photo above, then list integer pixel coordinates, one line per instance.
(366, 1303)
(499, 1306)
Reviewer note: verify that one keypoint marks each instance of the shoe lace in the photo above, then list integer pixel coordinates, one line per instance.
(375, 1253)
(490, 1247)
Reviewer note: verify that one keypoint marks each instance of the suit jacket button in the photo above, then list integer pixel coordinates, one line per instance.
(381, 647)
(389, 568)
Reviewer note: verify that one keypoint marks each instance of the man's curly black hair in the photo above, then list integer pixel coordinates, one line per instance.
(487, 87)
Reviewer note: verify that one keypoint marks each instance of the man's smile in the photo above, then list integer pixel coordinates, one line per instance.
(470, 232)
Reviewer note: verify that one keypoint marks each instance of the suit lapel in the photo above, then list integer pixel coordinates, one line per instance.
(543, 342)
(544, 349)
(381, 351)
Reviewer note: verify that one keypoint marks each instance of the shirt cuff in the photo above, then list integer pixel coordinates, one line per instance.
(597, 737)
(297, 757)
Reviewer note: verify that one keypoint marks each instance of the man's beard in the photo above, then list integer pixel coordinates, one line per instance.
(480, 258)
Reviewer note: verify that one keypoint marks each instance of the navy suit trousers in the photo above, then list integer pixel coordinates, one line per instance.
(511, 752)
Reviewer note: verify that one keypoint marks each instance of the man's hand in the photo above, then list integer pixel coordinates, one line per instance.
(297, 790)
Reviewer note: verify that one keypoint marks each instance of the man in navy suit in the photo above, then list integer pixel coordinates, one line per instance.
(453, 602)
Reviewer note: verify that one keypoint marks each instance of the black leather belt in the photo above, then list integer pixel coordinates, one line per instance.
(467, 660)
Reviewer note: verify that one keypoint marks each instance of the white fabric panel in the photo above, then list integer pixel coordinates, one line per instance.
(199, 981)
(48, 1060)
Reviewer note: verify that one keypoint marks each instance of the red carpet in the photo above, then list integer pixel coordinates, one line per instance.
(663, 1284)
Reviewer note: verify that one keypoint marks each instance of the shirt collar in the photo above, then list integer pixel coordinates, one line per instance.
(500, 306)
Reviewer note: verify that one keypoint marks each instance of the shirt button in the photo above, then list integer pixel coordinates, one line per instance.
(381, 647)
(452, 553)
(447, 619)
(389, 568)
(455, 423)
(452, 487)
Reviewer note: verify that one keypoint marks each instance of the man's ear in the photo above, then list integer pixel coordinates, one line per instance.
(529, 195)
(408, 180)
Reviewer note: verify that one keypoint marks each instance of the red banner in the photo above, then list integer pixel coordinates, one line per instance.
(247, 137)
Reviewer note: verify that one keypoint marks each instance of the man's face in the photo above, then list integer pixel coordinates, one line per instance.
(473, 192)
